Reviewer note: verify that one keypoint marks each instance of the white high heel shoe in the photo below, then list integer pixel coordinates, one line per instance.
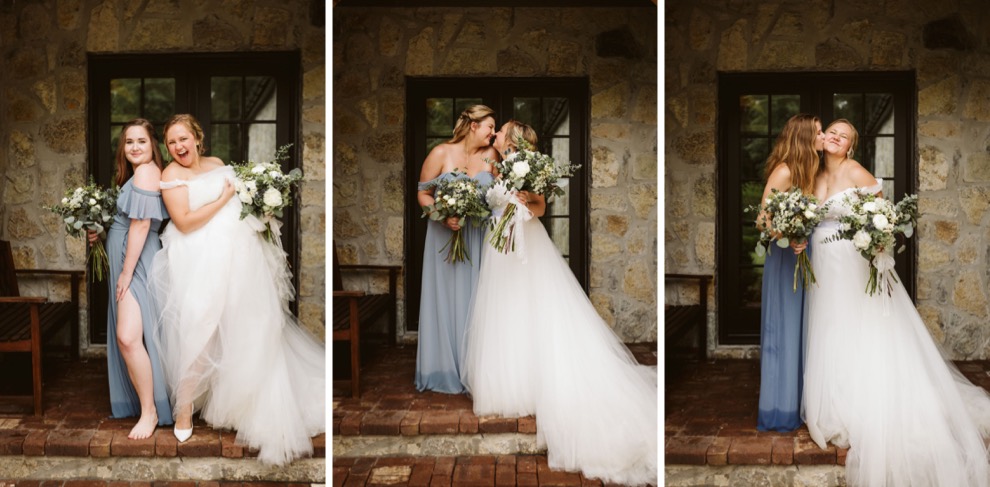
(182, 434)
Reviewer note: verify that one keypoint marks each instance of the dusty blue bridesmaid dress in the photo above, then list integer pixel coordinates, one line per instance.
(138, 204)
(446, 296)
(781, 343)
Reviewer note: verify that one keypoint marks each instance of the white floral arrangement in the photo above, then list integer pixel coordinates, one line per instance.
(85, 208)
(873, 225)
(265, 190)
(791, 216)
(523, 170)
(458, 197)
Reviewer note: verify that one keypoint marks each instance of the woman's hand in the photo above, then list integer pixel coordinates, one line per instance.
(453, 223)
(799, 247)
(123, 284)
(228, 190)
(92, 236)
(524, 197)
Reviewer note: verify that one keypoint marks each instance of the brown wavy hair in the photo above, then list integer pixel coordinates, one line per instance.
(795, 147)
(124, 169)
(474, 113)
(192, 124)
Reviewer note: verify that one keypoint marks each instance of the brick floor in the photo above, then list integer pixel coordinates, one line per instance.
(710, 418)
(76, 423)
(454, 471)
(390, 404)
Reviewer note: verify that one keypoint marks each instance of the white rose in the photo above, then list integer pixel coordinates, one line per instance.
(244, 197)
(520, 169)
(869, 206)
(258, 169)
(812, 206)
(273, 197)
(65, 201)
(881, 222)
(861, 240)
(92, 201)
(809, 214)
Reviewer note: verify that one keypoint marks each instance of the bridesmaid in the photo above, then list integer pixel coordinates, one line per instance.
(792, 163)
(137, 385)
(447, 287)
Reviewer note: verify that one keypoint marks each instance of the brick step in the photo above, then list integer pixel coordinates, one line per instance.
(497, 470)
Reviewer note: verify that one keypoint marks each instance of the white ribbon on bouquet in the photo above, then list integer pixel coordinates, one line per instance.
(884, 262)
(499, 198)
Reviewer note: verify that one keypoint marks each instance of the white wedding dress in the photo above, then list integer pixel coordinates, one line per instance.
(878, 383)
(536, 345)
(227, 338)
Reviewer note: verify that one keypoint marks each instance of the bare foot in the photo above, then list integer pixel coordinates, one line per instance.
(144, 428)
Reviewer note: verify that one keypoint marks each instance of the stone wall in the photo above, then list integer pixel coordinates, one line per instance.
(945, 42)
(375, 48)
(43, 113)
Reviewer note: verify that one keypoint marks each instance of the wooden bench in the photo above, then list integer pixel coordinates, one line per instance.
(28, 322)
(352, 309)
(682, 319)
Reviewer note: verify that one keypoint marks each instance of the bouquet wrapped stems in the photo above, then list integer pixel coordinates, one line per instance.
(502, 230)
(805, 270)
(98, 260)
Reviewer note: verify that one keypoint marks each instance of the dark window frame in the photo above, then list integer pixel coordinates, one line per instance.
(192, 72)
(497, 93)
(735, 323)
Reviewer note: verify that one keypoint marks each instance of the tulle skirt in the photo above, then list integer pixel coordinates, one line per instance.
(877, 382)
(537, 345)
(230, 346)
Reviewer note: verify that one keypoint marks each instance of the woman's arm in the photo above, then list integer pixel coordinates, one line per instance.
(146, 177)
(536, 203)
(432, 167)
(177, 203)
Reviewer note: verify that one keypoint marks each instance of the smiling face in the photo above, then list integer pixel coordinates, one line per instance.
(484, 130)
(182, 144)
(137, 145)
(499, 143)
(840, 139)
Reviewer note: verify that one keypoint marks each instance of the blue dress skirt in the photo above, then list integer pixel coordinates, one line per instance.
(781, 343)
(138, 204)
(447, 289)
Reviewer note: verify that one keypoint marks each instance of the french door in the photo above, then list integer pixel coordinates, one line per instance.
(753, 108)
(247, 103)
(557, 108)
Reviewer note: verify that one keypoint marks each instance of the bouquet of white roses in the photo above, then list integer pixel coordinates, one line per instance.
(873, 225)
(792, 216)
(523, 170)
(460, 197)
(89, 207)
(264, 190)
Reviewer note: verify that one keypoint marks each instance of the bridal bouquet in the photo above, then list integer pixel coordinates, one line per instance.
(873, 225)
(264, 190)
(523, 170)
(460, 197)
(89, 207)
(792, 216)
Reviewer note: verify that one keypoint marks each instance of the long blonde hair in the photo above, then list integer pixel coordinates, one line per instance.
(795, 147)
(474, 113)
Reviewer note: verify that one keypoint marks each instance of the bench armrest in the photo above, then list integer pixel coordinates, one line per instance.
(23, 300)
(348, 294)
(393, 271)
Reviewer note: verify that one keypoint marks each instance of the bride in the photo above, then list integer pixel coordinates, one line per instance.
(875, 381)
(536, 345)
(230, 346)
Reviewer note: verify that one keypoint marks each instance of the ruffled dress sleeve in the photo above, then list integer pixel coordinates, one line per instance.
(141, 204)
(425, 185)
(876, 188)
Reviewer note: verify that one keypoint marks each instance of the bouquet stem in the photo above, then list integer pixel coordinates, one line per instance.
(456, 249)
(499, 239)
(803, 267)
(98, 260)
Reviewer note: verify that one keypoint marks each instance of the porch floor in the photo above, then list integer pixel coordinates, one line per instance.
(711, 411)
(76, 433)
(394, 434)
